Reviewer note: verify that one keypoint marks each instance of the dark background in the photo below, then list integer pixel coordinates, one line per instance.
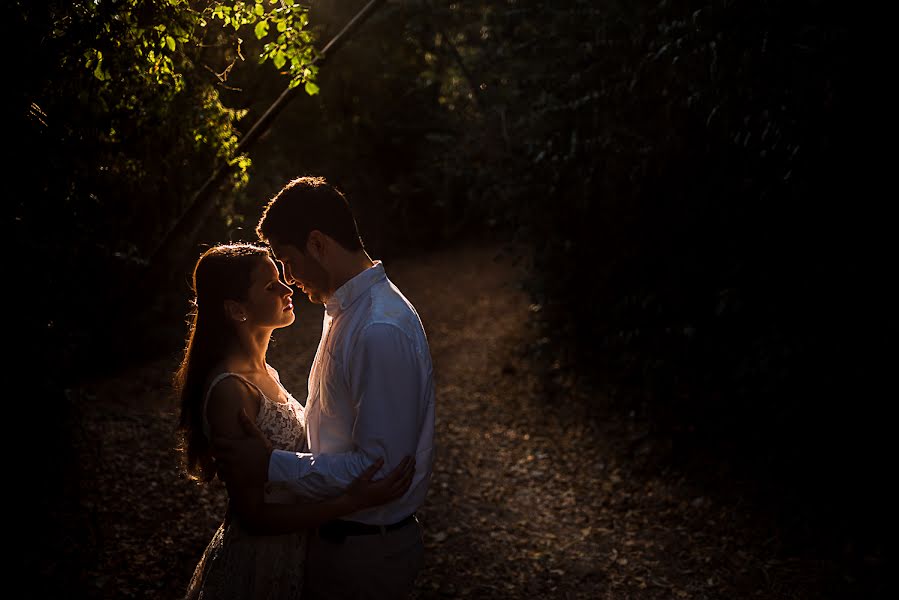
(698, 181)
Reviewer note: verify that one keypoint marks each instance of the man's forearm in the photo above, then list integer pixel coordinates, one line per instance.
(317, 476)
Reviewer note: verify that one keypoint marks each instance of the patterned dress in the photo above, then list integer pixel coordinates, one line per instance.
(237, 565)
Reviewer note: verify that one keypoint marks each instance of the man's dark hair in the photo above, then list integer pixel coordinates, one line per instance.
(306, 204)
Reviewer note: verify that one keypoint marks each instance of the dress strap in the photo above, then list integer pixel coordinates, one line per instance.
(218, 378)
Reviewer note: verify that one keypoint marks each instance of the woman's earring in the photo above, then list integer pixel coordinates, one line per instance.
(243, 318)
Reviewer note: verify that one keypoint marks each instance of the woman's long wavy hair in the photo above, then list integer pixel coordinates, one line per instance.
(223, 272)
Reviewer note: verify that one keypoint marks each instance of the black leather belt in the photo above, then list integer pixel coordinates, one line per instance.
(338, 530)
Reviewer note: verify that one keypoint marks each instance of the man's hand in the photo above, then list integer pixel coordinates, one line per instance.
(364, 492)
(244, 461)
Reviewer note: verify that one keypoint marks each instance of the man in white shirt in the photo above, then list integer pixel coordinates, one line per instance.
(371, 395)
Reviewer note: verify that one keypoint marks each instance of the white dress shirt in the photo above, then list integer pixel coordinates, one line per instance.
(371, 394)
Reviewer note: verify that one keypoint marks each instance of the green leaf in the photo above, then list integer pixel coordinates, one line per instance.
(259, 10)
(261, 29)
(279, 59)
(311, 88)
(282, 25)
(170, 42)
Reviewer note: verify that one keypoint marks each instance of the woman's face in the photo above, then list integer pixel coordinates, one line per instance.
(268, 299)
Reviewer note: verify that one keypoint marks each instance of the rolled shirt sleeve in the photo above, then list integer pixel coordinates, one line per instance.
(316, 476)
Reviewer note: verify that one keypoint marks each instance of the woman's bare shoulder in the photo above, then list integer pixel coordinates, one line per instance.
(228, 396)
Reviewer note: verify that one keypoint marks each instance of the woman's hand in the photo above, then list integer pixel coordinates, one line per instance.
(364, 492)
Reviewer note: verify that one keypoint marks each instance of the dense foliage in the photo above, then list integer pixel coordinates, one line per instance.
(693, 178)
(119, 121)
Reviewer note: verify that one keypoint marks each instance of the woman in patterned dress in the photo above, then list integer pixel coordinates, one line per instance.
(239, 301)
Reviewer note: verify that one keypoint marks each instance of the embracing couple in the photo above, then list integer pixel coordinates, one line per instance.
(322, 496)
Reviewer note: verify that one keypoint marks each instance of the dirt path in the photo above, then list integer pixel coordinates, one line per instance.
(531, 496)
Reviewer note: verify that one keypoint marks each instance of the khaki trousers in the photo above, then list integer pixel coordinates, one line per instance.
(380, 566)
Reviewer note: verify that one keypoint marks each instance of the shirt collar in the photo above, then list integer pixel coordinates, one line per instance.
(350, 291)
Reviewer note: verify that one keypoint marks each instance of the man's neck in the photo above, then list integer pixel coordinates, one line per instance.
(348, 267)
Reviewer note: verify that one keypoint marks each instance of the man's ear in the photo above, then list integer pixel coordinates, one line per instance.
(316, 245)
(235, 311)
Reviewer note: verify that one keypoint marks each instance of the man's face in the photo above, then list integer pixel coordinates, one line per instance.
(303, 271)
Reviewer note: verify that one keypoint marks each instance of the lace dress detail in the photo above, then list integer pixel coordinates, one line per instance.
(240, 566)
